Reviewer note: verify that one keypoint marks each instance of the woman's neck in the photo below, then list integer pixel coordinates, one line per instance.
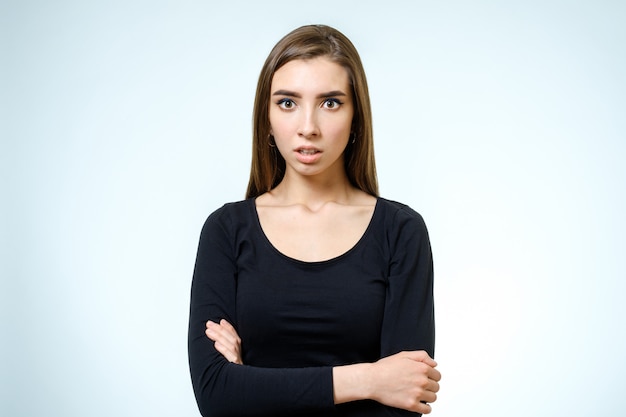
(313, 192)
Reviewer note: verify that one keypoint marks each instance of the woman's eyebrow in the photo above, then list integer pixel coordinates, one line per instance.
(334, 93)
(286, 93)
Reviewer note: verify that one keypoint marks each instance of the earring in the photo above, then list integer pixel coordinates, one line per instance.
(353, 137)
(269, 141)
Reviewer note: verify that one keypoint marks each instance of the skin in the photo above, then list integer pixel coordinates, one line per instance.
(315, 214)
(311, 107)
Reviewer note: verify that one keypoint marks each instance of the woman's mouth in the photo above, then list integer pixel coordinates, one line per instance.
(307, 155)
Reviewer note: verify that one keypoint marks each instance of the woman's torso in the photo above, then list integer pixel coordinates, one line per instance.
(292, 313)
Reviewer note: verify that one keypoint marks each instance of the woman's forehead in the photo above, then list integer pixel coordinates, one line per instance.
(311, 76)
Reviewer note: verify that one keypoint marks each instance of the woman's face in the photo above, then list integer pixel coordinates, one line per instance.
(310, 113)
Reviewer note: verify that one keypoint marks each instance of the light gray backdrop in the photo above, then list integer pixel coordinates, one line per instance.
(125, 123)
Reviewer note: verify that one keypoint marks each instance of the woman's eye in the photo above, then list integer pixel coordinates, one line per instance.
(286, 104)
(332, 103)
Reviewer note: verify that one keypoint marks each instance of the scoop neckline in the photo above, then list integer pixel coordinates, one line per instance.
(268, 242)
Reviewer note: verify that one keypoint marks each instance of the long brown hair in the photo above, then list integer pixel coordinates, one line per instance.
(307, 42)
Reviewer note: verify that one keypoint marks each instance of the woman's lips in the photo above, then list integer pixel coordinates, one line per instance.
(307, 155)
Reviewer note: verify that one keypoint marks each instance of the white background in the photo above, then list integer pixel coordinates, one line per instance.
(124, 124)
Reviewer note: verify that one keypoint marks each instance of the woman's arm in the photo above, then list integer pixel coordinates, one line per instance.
(223, 388)
(409, 319)
(409, 315)
(406, 380)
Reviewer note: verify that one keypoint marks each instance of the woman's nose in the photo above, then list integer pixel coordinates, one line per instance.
(309, 127)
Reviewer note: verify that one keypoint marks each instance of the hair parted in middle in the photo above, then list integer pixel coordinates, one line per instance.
(308, 42)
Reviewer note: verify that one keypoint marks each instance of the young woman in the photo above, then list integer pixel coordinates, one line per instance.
(313, 296)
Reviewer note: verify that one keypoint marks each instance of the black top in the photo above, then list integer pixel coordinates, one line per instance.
(299, 319)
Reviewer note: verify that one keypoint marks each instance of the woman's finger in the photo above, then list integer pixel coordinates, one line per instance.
(229, 354)
(227, 341)
(423, 408)
(223, 331)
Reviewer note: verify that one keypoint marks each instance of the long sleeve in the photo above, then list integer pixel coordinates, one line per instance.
(408, 322)
(227, 389)
(298, 319)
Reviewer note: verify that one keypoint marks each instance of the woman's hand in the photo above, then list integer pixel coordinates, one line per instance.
(227, 341)
(406, 380)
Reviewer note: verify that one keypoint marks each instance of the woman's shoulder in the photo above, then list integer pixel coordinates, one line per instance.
(401, 218)
(397, 209)
(231, 212)
(233, 207)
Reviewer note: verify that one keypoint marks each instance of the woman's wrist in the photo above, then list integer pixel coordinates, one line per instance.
(352, 382)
